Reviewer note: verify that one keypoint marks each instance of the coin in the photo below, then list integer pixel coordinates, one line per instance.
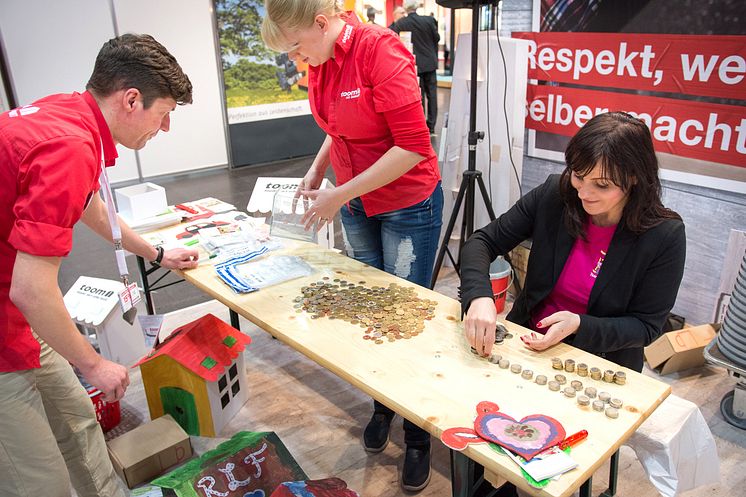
(620, 378)
(560, 379)
(608, 376)
(598, 405)
(554, 386)
(557, 363)
(541, 379)
(569, 365)
(616, 403)
(590, 392)
(583, 400)
(503, 363)
(604, 397)
(577, 385)
(570, 392)
(612, 412)
(527, 374)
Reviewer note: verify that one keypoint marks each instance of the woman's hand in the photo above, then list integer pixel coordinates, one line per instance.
(479, 325)
(325, 205)
(560, 325)
(311, 181)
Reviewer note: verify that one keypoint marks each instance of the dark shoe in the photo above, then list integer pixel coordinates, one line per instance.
(415, 474)
(376, 434)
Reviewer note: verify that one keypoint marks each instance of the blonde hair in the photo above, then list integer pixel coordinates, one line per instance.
(289, 15)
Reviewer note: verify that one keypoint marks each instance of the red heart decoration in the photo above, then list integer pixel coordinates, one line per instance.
(526, 437)
(459, 438)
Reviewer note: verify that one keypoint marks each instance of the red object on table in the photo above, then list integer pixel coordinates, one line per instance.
(108, 414)
(573, 439)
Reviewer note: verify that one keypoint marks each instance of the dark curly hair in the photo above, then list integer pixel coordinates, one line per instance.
(139, 61)
(623, 147)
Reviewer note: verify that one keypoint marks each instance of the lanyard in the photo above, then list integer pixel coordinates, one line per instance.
(116, 230)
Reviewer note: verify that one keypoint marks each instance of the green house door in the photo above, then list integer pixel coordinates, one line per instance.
(181, 406)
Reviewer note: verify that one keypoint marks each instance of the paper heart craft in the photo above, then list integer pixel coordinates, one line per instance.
(526, 437)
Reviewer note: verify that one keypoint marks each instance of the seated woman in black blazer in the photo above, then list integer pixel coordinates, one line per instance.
(606, 257)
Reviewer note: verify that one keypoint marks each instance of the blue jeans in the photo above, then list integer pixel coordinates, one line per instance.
(403, 243)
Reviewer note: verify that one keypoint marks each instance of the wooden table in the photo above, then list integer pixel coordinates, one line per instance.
(434, 380)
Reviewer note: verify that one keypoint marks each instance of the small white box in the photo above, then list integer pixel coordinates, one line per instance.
(141, 201)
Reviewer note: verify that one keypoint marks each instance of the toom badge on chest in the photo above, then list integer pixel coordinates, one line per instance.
(248, 465)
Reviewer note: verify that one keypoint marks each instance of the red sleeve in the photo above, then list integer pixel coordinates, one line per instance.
(390, 68)
(55, 182)
(408, 127)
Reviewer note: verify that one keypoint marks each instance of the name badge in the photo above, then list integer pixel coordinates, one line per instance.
(129, 297)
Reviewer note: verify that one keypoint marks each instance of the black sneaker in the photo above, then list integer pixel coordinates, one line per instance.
(415, 474)
(376, 434)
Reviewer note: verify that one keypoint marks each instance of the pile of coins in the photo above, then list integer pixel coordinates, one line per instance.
(385, 313)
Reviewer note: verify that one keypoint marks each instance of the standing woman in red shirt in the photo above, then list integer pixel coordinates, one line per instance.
(364, 94)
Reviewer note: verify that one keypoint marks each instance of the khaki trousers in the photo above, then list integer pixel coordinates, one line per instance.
(49, 436)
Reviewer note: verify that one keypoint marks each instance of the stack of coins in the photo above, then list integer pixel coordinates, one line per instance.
(604, 397)
(595, 373)
(385, 313)
(560, 379)
(515, 368)
(557, 363)
(577, 385)
(570, 392)
(616, 403)
(583, 400)
(590, 392)
(554, 386)
(495, 358)
(609, 376)
(569, 365)
(503, 363)
(598, 405)
(527, 374)
(541, 379)
(582, 369)
(620, 378)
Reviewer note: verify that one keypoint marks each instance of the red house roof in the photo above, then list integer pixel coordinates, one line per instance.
(206, 346)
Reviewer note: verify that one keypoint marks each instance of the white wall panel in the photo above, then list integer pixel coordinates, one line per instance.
(51, 47)
(197, 136)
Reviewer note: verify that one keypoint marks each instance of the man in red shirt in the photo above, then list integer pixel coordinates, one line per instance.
(52, 154)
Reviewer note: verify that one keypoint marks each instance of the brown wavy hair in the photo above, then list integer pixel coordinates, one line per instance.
(622, 145)
(139, 61)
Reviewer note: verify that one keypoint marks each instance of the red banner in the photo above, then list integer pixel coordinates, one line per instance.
(684, 64)
(710, 132)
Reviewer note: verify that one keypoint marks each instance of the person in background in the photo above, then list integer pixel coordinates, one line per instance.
(425, 40)
(363, 93)
(52, 153)
(606, 257)
(371, 15)
(397, 14)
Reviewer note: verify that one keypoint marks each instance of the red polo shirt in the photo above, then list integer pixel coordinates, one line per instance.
(50, 162)
(367, 99)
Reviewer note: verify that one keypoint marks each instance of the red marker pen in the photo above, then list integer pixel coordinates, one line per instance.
(573, 439)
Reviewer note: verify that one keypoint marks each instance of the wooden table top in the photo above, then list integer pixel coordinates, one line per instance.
(433, 379)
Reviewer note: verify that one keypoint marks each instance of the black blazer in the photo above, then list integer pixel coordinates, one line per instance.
(425, 39)
(635, 290)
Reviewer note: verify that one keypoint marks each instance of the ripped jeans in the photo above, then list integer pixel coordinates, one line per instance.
(403, 243)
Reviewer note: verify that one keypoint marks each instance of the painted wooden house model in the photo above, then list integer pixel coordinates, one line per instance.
(197, 375)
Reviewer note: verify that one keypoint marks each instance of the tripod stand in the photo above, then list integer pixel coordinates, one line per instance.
(471, 177)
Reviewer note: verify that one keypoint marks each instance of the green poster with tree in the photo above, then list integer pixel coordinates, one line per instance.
(259, 84)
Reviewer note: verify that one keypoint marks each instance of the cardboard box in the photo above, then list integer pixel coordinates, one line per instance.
(680, 349)
(150, 449)
(141, 201)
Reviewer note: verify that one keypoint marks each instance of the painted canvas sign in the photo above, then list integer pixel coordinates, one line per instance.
(248, 465)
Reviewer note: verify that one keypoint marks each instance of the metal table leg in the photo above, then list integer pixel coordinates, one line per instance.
(585, 488)
(145, 285)
(234, 319)
(467, 478)
(613, 473)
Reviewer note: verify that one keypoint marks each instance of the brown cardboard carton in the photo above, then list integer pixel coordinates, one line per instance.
(680, 349)
(149, 450)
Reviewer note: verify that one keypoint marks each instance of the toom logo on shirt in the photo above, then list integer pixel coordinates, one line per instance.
(350, 94)
(23, 111)
(347, 34)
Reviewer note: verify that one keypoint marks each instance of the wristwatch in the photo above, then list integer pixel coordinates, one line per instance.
(159, 257)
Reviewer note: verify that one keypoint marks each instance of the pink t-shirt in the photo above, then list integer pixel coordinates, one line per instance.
(581, 269)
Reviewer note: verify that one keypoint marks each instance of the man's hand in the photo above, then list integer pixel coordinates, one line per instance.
(479, 325)
(180, 258)
(561, 324)
(109, 377)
